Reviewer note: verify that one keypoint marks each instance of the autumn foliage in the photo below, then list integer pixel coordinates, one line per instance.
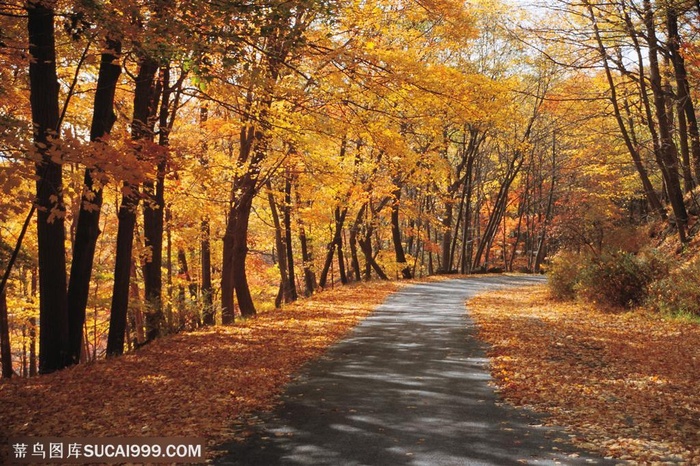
(624, 384)
(195, 384)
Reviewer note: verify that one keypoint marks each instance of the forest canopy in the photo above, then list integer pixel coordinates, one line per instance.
(167, 165)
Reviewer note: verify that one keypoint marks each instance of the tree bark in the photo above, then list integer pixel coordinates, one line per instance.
(406, 271)
(208, 318)
(686, 112)
(354, 230)
(341, 261)
(283, 293)
(447, 234)
(141, 131)
(291, 280)
(370, 262)
(339, 217)
(54, 352)
(240, 251)
(227, 288)
(5, 347)
(548, 214)
(498, 211)
(153, 212)
(88, 228)
(306, 257)
(668, 154)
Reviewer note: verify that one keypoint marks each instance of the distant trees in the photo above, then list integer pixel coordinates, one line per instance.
(638, 46)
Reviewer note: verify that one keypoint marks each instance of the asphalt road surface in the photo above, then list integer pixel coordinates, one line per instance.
(408, 386)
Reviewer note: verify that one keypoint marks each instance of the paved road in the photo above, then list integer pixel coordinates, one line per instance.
(409, 386)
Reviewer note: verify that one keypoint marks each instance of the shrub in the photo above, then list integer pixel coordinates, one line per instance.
(562, 275)
(617, 279)
(679, 292)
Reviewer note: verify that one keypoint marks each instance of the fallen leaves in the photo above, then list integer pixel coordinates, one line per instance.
(625, 384)
(189, 385)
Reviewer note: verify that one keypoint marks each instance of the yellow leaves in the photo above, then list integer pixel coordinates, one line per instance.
(625, 383)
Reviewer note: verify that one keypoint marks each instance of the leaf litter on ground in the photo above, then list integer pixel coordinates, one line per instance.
(625, 384)
(197, 384)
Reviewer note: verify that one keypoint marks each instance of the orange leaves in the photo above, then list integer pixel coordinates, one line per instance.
(196, 384)
(626, 384)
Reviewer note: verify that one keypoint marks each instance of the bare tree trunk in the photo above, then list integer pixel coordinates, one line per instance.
(207, 290)
(548, 214)
(227, 285)
(371, 263)
(240, 251)
(88, 228)
(142, 130)
(406, 271)
(685, 100)
(153, 212)
(354, 230)
(307, 258)
(339, 217)
(5, 347)
(54, 350)
(498, 211)
(283, 294)
(649, 190)
(667, 151)
(447, 234)
(208, 318)
(291, 279)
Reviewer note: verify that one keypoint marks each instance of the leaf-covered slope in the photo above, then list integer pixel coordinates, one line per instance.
(626, 384)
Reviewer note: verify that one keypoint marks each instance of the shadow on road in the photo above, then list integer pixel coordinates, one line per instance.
(409, 386)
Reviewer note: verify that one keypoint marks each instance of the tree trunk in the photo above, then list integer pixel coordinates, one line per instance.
(341, 262)
(371, 263)
(339, 216)
(498, 211)
(153, 212)
(5, 347)
(307, 258)
(291, 280)
(548, 214)
(141, 130)
(54, 351)
(227, 288)
(686, 112)
(406, 272)
(88, 228)
(208, 318)
(668, 154)
(447, 235)
(283, 294)
(354, 230)
(240, 252)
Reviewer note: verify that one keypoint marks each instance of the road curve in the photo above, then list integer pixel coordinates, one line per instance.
(408, 386)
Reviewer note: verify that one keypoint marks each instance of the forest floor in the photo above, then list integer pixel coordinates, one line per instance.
(625, 383)
(194, 384)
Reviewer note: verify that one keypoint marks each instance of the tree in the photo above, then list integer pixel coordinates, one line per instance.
(282, 33)
(142, 134)
(54, 352)
(88, 228)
